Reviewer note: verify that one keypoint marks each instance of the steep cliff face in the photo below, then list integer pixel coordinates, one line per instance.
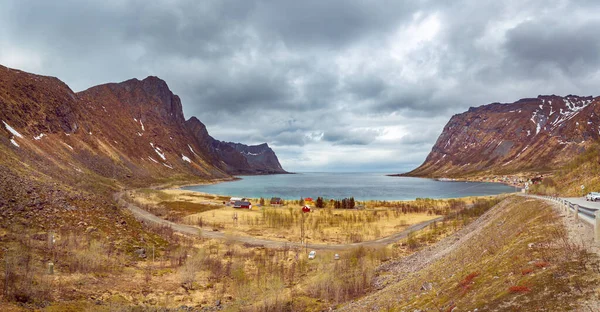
(133, 132)
(235, 158)
(528, 135)
(261, 158)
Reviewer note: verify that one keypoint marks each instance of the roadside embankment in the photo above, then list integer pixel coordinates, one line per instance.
(520, 255)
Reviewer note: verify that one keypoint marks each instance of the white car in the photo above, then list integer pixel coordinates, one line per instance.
(336, 257)
(592, 196)
(312, 254)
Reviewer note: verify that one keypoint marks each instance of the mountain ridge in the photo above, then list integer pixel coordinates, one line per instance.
(234, 158)
(530, 134)
(133, 131)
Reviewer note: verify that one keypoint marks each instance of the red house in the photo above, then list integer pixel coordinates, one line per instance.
(242, 204)
(306, 208)
(276, 201)
(308, 199)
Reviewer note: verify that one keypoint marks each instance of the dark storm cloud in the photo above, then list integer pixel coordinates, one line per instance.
(237, 92)
(334, 23)
(306, 75)
(569, 45)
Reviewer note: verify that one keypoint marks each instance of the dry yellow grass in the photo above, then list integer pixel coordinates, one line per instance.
(333, 226)
(196, 272)
(321, 224)
(518, 259)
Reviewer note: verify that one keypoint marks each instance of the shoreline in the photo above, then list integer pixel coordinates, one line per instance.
(357, 200)
(216, 181)
(179, 187)
(443, 179)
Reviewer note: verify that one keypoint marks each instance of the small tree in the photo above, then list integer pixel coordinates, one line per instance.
(301, 201)
(320, 203)
(262, 201)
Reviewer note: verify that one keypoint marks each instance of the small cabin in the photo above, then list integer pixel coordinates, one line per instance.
(306, 208)
(232, 200)
(242, 204)
(276, 201)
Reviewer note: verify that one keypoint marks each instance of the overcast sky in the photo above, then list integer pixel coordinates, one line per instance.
(330, 85)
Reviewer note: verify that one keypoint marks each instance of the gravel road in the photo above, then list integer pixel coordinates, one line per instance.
(192, 230)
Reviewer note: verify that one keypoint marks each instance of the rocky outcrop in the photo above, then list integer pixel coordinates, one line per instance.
(261, 158)
(235, 158)
(534, 134)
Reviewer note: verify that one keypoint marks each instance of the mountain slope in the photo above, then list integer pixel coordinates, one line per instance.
(512, 258)
(532, 134)
(133, 132)
(260, 158)
(235, 158)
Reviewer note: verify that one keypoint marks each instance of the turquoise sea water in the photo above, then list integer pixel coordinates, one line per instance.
(362, 186)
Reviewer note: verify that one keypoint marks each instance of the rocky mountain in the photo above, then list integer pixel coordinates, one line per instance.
(533, 134)
(133, 132)
(236, 158)
(260, 158)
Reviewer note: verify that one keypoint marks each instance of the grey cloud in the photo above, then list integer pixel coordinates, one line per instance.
(350, 136)
(290, 138)
(417, 138)
(306, 75)
(365, 88)
(569, 45)
(334, 23)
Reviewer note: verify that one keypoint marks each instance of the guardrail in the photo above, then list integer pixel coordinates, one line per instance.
(587, 214)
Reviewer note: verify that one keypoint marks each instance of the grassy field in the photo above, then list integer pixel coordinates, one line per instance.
(171, 270)
(166, 270)
(288, 223)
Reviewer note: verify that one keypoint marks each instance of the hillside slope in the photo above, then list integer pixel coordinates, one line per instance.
(518, 256)
(133, 132)
(533, 134)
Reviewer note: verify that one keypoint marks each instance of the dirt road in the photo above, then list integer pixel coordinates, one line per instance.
(192, 230)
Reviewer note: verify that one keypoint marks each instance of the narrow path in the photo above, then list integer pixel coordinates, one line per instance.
(192, 230)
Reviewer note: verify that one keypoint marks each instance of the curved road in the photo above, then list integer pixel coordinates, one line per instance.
(577, 201)
(582, 202)
(192, 230)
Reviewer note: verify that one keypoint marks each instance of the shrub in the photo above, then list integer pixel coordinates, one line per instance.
(465, 284)
(518, 289)
(526, 271)
(542, 264)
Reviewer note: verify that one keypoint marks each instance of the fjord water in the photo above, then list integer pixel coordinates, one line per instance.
(362, 186)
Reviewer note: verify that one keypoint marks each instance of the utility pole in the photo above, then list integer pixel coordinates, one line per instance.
(302, 231)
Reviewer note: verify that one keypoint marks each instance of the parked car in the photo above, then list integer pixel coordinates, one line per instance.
(336, 257)
(312, 254)
(592, 196)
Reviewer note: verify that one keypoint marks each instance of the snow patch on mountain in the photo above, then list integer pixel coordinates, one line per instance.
(12, 130)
